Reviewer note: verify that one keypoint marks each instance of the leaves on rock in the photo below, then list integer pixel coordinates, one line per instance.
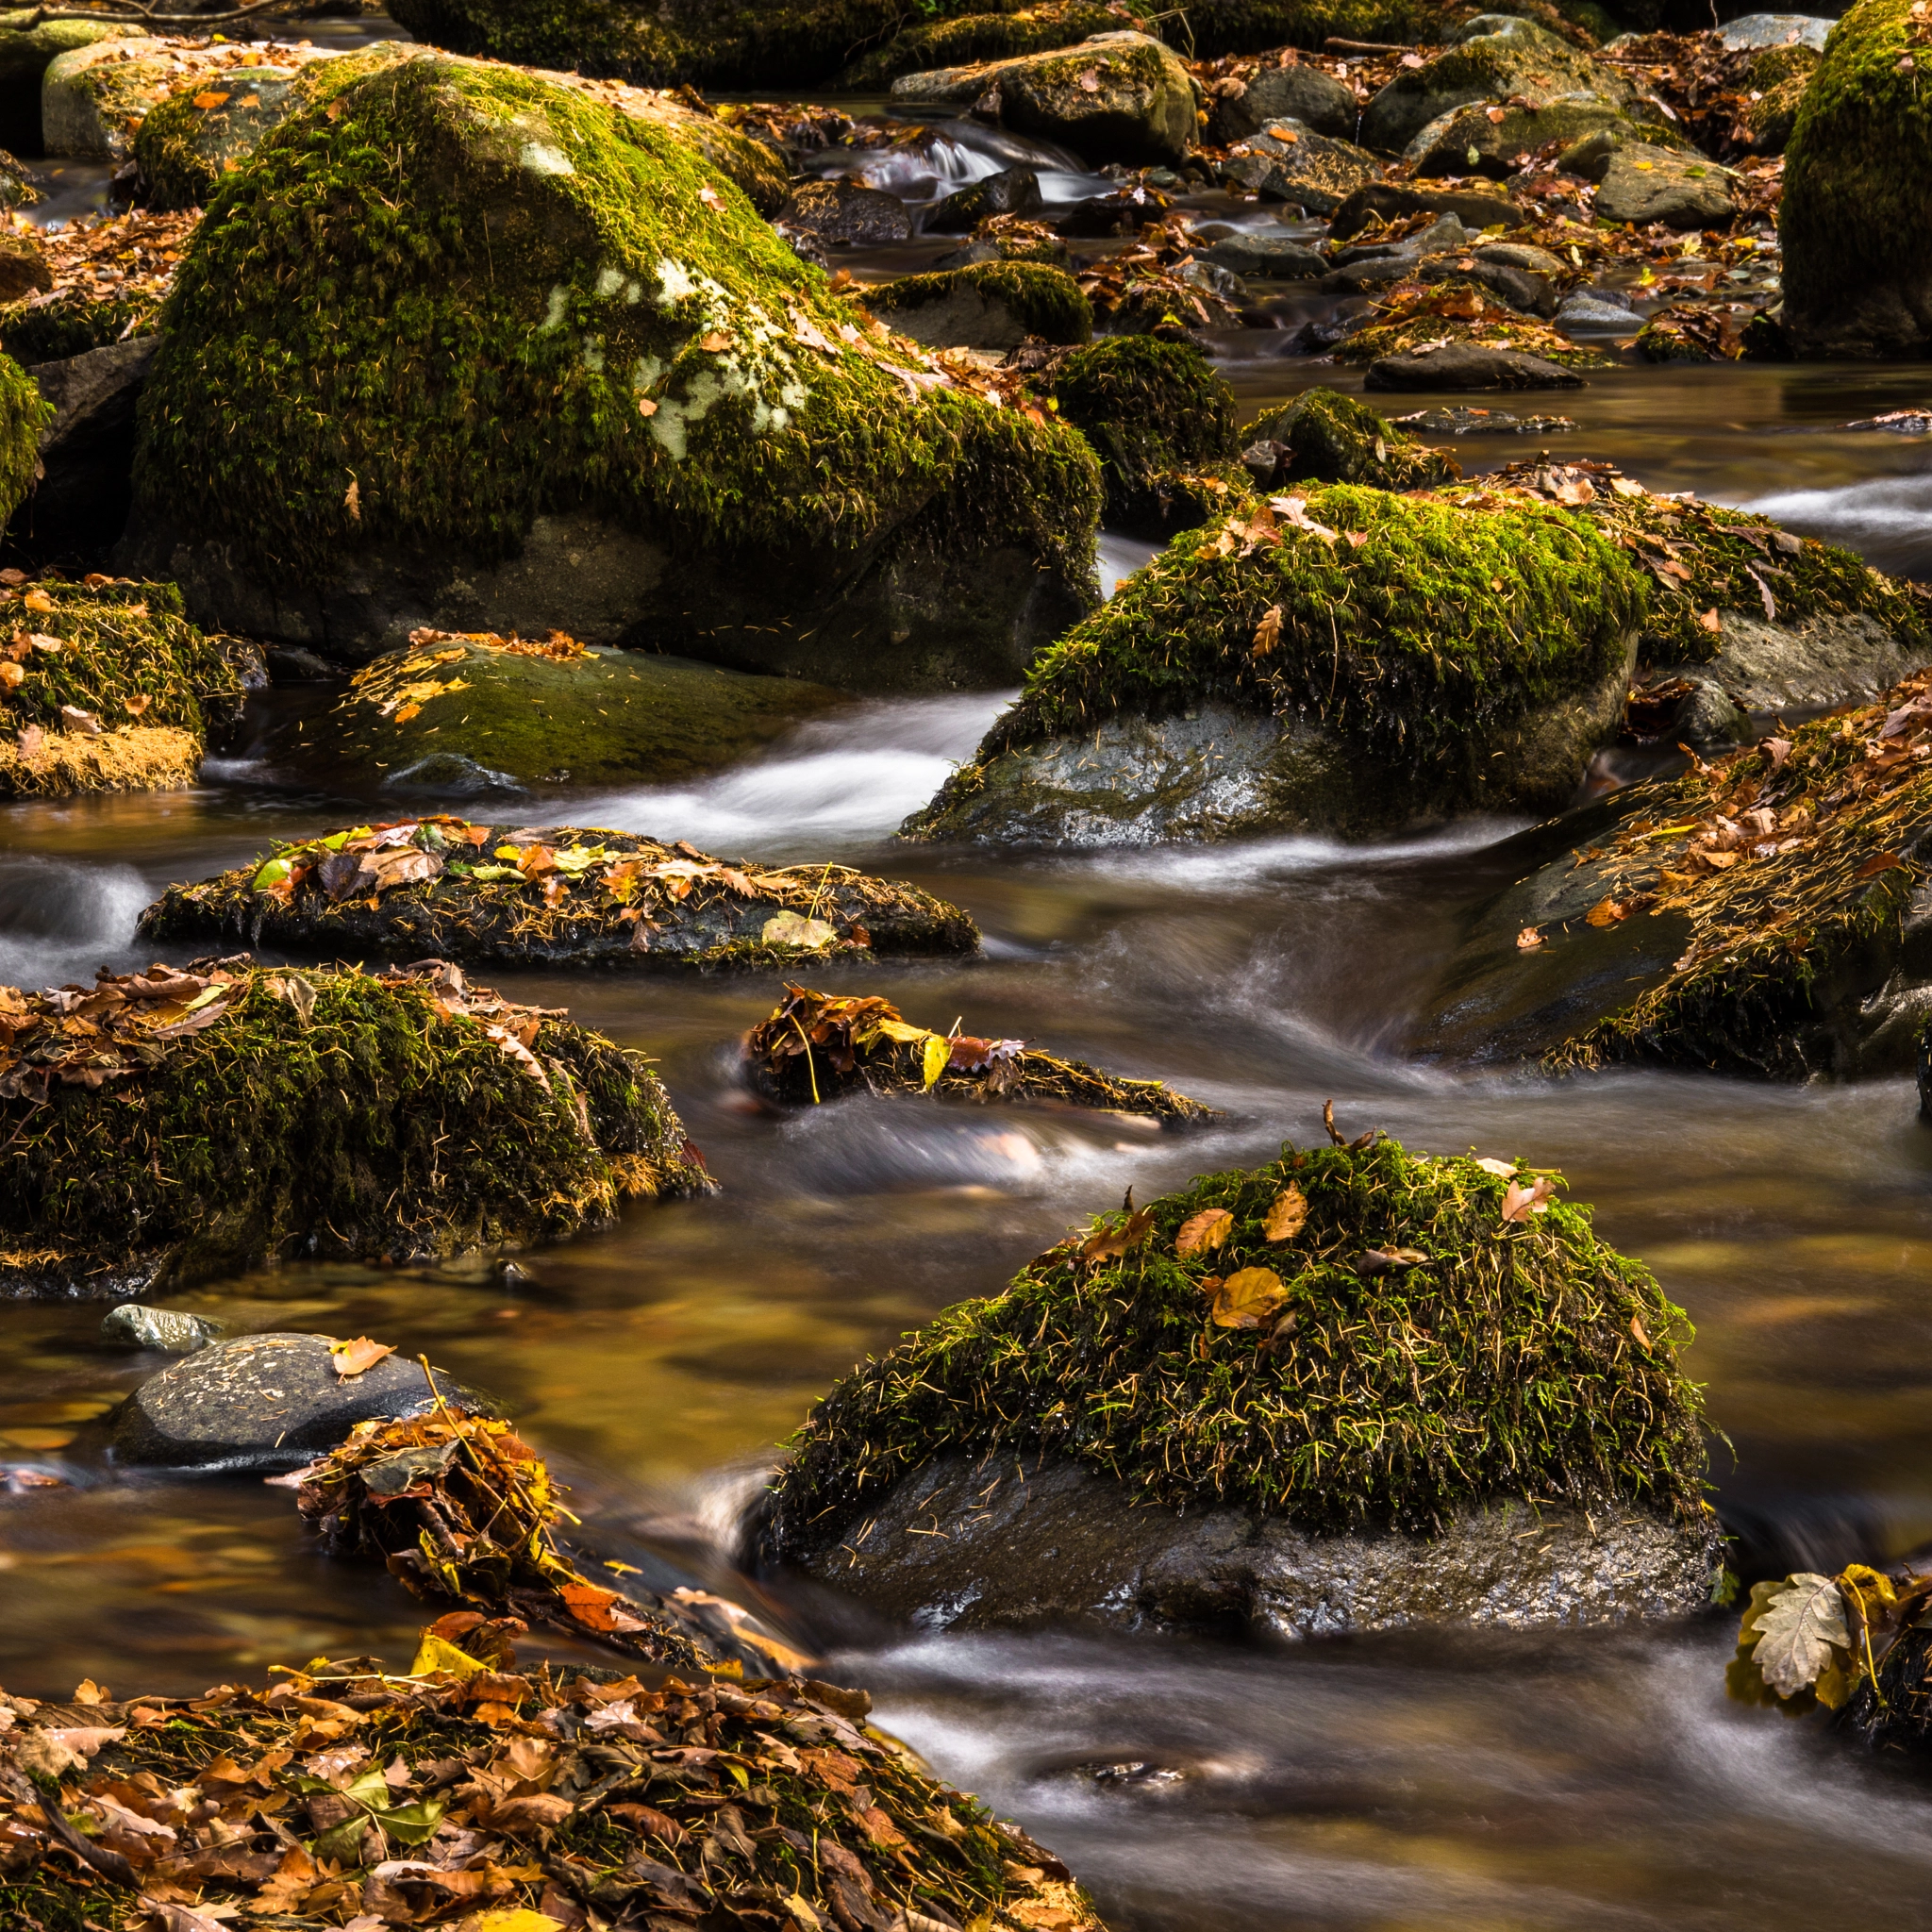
(355, 1357)
(1798, 1625)
(1201, 1233)
(1247, 1298)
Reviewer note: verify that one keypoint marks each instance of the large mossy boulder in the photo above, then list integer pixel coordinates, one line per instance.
(548, 895)
(24, 414)
(29, 45)
(1857, 252)
(560, 373)
(1341, 661)
(1332, 1393)
(1117, 98)
(1764, 914)
(168, 1125)
(105, 686)
(1471, 140)
(987, 304)
(1155, 412)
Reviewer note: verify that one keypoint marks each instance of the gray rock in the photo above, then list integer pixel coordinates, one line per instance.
(1302, 168)
(847, 210)
(1465, 366)
(1267, 258)
(1466, 141)
(1467, 421)
(134, 1324)
(1050, 1543)
(1012, 191)
(451, 775)
(267, 1402)
(1298, 92)
(1830, 659)
(1390, 201)
(87, 451)
(1522, 255)
(1591, 308)
(1691, 709)
(1775, 30)
(1444, 232)
(1643, 184)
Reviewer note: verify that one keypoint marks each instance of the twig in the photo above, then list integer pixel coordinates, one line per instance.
(1368, 47)
(147, 17)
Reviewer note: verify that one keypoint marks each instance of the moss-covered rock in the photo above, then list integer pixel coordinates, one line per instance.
(1117, 98)
(28, 45)
(552, 894)
(990, 305)
(1857, 253)
(206, 1121)
(1470, 139)
(24, 414)
(1778, 77)
(1152, 411)
(1342, 659)
(188, 143)
(982, 34)
(1306, 169)
(561, 373)
(1344, 1341)
(1324, 437)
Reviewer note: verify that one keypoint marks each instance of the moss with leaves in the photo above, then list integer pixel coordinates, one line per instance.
(24, 414)
(1345, 1336)
(1045, 301)
(985, 33)
(218, 1119)
(1334, 438)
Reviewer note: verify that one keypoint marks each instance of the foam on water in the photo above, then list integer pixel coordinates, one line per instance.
(1887, 520)
(59, 919)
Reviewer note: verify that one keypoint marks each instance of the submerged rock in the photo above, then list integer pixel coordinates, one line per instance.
(822, 1046)
(192, 1123)
(1284, 668)
(1858, 254)
(628, 410)
(1199, 1416)
(990, 304)
(267, 1402)
(552, 894)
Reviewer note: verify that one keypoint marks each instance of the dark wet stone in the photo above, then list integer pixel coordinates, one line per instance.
(846, 211)
(1391, 202)
(1266, 259)
(1012, 191)
(87, 451)
(1300, 92)
(1467, 365)
(267, 1402)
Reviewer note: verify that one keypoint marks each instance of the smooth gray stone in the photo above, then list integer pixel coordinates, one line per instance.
(267, 1402)
(134, 1324)
(1775, 30)
(1467, 365)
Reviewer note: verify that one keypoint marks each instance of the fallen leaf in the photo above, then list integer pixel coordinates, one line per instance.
(1288, 1216)
(711, 198)
(1883, 861)
(1495, 114)
(1108, 1243)
(1637, 1329)
(210, 100)
(37, 600)
(12, 676)
(354, 1358)
(1268, 632)
(1089, 81)
(30, 739)
(1245, 1299)
(935, 1057)
(796, 929)
(1797, 1630)
(646, 407)
(716, 343)
(1528, 939)
(1388, 1261)
(1203, 1232)
(1501, 1169)
(83, 722)
(409, 712)
(352, 499)
(1710, 621)
(1607, 912)
(1520, 1203)
(138, 703)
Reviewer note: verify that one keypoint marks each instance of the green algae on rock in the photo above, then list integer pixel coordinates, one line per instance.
(1858, 256)
(975, 35)
(173, 1124)
(1346, 1336)
(987, 304)
(819, 1046)
(1330, 437)
(553, 894)
(22, 415)
(617, 403)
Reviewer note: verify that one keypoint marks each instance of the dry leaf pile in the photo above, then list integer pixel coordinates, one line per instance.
(817, 1046)
(1422, 314)
(1145, 285)
(398, 686)
(463, 891)
(1350, 1334)
(110, 276)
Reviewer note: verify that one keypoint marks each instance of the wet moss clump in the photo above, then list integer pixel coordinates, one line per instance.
(1347, 1336)
(24, 414)
(1152, 411)
(1858, 256)
(225, 1117)
(1043, 301)
(985, 33)
(1332, 438)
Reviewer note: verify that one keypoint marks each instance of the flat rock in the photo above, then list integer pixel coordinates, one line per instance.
(1390, 201)
(1057, 1543)
(266, 1402)
(1467, 365)
(1266, 258)
(1643, 184)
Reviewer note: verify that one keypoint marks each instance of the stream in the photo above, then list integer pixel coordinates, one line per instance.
(1478, 1781)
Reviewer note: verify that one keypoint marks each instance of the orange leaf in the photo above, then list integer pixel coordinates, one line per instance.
(210, 100)
(1884, 861)
(1286, 1218)
(1106, 1243)
(1203, 1231)
(1528, 939)
(353, 1357)
(1268, 632)
(407, 712)
(1607, 912)
(138, 703)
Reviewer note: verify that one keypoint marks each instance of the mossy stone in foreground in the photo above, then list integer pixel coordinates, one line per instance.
(987, 305)
(562, 373)
(24, 414)
(1334, 438)
(204, 1121)
(1857, 253)
(1343, 1336)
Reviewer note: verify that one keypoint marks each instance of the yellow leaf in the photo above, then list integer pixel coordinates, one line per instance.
(439, 1653)
(1286, 1218)
(516, 1919)
(407, 712)
(904, 1032)
(1246, 1300)
(1204, 1231)
(938, 1053)
(354, 1358)
(37, 600)
(210, 100)
(793, 929)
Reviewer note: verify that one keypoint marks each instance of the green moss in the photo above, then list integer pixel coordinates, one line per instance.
(1334, 439)
(24, 414)
(1412, 319)
(522, 284)
(72, 324)
(371, 1126)
(185, 151)
(1857, 253)
(1045, 300)
(1411, 642)
(118, 641)
(1150, 410)
(1508, 1362)
(985, 33)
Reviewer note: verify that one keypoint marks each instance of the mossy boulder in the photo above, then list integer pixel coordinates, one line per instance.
(24, 414)
(989, 305)
(1353, 1364)
(979, 35)
(28, 45)
(106, 687)
(1117, 98)
(562, 374)
(1314, 174)
(189, 142)
(1324, 437)
(473, 712)
(1471, 140)
(1153, 410)
(552, 895)
(94, 97)
(1858, 254)
(1765, 914)
(202, 1122)
(1339, 661)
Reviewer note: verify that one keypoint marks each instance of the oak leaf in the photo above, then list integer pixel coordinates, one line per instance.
(1796, 1631)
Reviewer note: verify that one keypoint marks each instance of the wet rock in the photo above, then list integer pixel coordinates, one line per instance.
(1642, 183)
(1491, 58)
(80, 505)
(1776, 29)
(987, 306)
(1390, 201)
(324, 1113)
(1299, 92)
(1693, 710)
(975, 37)
(26, 53)
(1012, 191)
(1100, 1494)
(24, 269)
(1596, 308)
(1467, 421)
(846, 211)
(1330, 437)
(1117, 98)
(1526, 293)
(135, 1325)
(1520, 255)
(1125, 211)
(1466, 366)
(267, 1402)
(1857, 253)
(552, 895)
(686, 454)
(1266, 258)
(1304, 169)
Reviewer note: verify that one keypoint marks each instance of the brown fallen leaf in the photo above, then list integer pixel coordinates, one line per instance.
(1607, 912)
(1389, 1261)
(354, 1358)
(1777, 750)
(12, 676)
(1268, 632)
(1883, 861)
(1520, 1203)
(1244, 1300)
(83, 722)
(1090, 81)
(1637, 1329)
(137, 703)
(352, 499)
(1204, 1231)
(38, 599)
(1108, 1243)
(210, 100)
(1288, 1216)
(1496, 115)
(1528, 939)
(715, 342)
(1712, 622)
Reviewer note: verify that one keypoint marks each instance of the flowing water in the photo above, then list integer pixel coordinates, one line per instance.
(1484, 1782)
